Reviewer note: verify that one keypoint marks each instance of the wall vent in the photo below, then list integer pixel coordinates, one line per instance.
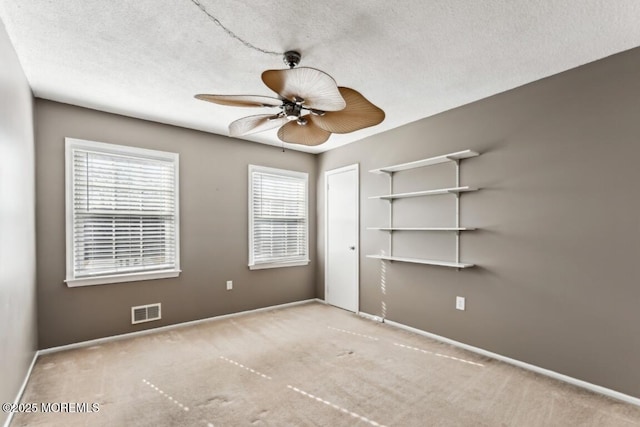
(145, 313)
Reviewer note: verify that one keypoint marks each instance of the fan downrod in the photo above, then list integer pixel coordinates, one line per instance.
(291, 58)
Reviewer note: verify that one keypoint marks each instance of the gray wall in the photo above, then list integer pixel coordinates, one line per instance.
(213, 229)
(17, 225)
(557, 283)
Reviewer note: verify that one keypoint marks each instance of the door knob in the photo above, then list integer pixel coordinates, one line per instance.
(353, 248)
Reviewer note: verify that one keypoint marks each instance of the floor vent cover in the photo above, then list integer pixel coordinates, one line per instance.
(145, 313)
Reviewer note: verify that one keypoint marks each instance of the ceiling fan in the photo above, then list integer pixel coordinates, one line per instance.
(312, 106)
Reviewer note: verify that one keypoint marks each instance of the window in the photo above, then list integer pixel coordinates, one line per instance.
(278, 218)
(122, 213)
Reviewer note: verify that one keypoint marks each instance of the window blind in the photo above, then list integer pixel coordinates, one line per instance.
(124, 214)
(279, 215)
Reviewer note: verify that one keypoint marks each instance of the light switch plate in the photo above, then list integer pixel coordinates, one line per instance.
(460, 303)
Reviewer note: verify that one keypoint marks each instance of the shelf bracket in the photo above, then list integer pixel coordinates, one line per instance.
(390, 214)
(457, 162)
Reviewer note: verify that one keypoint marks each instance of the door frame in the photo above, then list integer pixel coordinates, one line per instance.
(354, 167)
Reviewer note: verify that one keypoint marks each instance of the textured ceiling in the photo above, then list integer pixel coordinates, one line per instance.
(414, 59)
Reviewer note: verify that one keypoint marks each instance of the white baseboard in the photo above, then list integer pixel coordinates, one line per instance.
(370, 317)
(99, 341)
(22, 388)
(552, 374)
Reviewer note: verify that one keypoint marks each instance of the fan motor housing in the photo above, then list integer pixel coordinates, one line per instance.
(291, 110)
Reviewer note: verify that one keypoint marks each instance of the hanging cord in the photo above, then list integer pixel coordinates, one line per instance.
(232, 34)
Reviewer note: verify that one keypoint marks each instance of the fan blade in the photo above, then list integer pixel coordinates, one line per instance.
(308, 134)
(241, 100)
(358, 114)
(317, 88)
(254, 124)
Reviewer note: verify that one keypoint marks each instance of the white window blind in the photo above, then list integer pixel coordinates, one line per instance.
(278, 219)
(124, 219)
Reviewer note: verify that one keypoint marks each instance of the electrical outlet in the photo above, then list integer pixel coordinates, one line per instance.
(229, 285)
(460, 303)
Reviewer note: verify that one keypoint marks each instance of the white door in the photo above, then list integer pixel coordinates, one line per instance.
(341, 247)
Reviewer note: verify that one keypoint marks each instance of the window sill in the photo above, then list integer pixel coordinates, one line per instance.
(120, 278)
(278, 264)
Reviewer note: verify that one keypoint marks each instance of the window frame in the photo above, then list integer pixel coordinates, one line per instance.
(100, 147)
(285, 173)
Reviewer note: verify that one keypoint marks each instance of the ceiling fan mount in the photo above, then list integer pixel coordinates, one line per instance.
(312, 106)
(291, 58)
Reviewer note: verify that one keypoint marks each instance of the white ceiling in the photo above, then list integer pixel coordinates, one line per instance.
(414, 59)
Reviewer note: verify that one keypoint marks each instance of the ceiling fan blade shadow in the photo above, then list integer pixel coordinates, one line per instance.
(241, 100)
(254, 124)
(317, 88)
(308, 134)
(358, 114)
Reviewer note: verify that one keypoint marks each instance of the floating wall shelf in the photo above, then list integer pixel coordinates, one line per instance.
(421, 228)
(427, 162)
(423, 261)
(457, 190)
(452, 190)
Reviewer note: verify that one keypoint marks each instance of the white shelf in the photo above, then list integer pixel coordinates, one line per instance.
(421, 228)
(452, 190)
(427, 162)
(453, 158)
(423, 261)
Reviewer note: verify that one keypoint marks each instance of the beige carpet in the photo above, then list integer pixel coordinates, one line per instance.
(307, 365)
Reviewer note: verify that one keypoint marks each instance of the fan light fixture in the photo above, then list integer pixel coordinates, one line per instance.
(312, 106)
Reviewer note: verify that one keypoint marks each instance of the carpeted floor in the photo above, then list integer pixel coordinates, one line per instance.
(306, 365)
